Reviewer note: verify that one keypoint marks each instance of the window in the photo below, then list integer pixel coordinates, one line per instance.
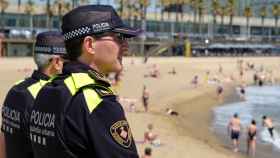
(11, 22)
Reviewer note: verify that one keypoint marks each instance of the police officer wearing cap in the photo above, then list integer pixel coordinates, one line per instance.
(77, 114)
(48, 51)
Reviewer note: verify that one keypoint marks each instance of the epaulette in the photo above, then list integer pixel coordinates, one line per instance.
(102, 91)
(99, 78)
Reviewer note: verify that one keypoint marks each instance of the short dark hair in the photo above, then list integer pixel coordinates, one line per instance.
(74, 48)
(148, 151)
(253, 122)
(235, 115)
(264, 117)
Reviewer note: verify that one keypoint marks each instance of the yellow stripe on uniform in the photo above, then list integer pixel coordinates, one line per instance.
(82, 79)
(70, 85)
(78, 80)
(18, 82)
(92, 98)
(36, 87)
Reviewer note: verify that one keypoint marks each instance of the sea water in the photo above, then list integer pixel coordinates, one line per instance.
(259, 101)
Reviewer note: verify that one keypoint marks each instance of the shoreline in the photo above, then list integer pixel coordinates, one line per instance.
(204, 118)
(262, 149)
(201, 114)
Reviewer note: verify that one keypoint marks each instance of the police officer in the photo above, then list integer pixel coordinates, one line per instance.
(77, 114)
(48, 51)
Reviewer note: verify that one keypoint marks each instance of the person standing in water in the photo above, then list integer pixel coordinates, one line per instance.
(234, 127)
(251, 139)
(267, 122)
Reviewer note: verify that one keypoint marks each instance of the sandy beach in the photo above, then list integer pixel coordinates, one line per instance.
(188, 135)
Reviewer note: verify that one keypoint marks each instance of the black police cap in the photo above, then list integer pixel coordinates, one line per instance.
(94, 19)
(50, 42)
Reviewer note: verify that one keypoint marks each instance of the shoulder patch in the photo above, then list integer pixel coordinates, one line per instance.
(121, 133)
(103, 92)
(99, 77)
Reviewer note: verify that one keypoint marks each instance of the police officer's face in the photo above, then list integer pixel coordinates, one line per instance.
(109, 50)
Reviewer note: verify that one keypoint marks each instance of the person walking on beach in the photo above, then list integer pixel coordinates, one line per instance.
(251, 139)
(145, 98)
(267, 122)
(219, 92)
(234, 127)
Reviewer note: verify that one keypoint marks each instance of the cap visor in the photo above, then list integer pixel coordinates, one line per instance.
(128, 31)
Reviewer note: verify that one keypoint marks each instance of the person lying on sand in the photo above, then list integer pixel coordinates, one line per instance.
(173, 71)
(154, 72)
(171, 112)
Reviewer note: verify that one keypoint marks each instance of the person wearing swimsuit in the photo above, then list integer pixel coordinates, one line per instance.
(145, 98)
(251, 139)
(234, 126)
(267, 122)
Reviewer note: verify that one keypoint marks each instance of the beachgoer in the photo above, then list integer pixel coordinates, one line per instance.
(262, 78)
(155, 71)
(171, 112)
(255, 78)
(267, 122)
(251, 139)
(206, 77)
(149, 136)
(147, 153)
(242, 92)
(146, 57)
(234, 127)
(260, 82)
(195, 81)
(173, 71)
(145, 98)
(220, 69)
(241, 74)
(220, 90)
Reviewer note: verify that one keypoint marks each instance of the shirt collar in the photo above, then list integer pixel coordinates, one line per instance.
(78, 67)
(75, 67)
(38, 75)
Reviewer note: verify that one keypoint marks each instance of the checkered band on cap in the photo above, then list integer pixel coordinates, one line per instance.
(93, 29)
(50, 50)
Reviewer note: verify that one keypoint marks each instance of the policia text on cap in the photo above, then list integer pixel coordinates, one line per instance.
(77, 114)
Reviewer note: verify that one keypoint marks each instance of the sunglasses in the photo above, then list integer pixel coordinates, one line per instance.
(117, 36)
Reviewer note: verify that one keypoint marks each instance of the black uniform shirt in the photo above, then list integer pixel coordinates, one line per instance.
(15, 116)
(88, 123)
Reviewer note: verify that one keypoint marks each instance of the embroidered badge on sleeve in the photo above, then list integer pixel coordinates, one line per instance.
(121, 133)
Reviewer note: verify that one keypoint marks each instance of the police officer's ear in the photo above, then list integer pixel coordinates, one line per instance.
(57, 63)
(89, 45)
